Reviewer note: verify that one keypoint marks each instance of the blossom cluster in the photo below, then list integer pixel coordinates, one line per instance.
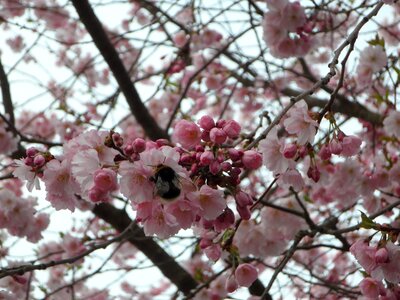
(286, 30)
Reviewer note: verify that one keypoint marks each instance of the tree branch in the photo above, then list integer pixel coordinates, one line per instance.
(107, 50)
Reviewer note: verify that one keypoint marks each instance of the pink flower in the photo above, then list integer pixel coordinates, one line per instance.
(105, 180)
(292, 178)
(373, 57)
(391, 124)
(371, 288)
(246, 274)
(252, 160)
(364, 254)
(300, 123)
(351, 145)
(272, 149)
(61, 187)
(135, 183)
(210, 201)
(187, 134)
(294, 16)
(156, 220)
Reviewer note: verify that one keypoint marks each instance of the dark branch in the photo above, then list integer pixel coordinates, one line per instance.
(107, 50)
(6, 95)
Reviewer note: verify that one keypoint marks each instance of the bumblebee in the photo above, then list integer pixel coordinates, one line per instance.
(167, 184)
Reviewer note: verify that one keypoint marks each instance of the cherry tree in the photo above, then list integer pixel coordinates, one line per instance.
(235, 149)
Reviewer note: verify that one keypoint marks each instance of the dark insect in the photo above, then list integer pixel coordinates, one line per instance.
(167, 183)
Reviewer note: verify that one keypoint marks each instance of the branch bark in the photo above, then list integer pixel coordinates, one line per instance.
(110, 55)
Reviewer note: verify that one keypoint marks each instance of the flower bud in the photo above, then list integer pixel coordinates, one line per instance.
(206, 158)
(139, 145)
(207, 123)
(217, 136)
(243, 199)
(246, 274)
(289, 151)
(381, 256)
(252, 160)
(232, 129)
(325, 153)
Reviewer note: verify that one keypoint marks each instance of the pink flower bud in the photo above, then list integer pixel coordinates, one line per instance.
(289, 151)
(128, 150)
(252, 160)
(205, 136)
(220, 123)
(207, 123)
(39, 160)
(224, 220)
(246, 274)
(325, 153)
(244, 212)
(226, 166)
(231, 284)
(180, 39)
(97, 195)
(206, 158)
(139, 145)
(232, 129)
(31, 152)
(381, 256)
(187, 134)
(313, 173)
(105, 180)
(243, 199)
(335, 146)
(215, 167)
(341, 136)
(235, 154)
(213, 252)
(217, 136)
(204, 243)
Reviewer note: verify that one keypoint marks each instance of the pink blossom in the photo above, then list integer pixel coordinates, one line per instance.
(231, 284)
(391, 124)
(61, 187)
(245, 274)
(105, 180)
(373, 57)
(272, 151)
(371, 288)
(135, 184)
(294, 16)
(292, 178)
(251, 159)
(300, 123)
(351, 145)
(25, 173)
(187, 134)
(157, 221)
(210, 201)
